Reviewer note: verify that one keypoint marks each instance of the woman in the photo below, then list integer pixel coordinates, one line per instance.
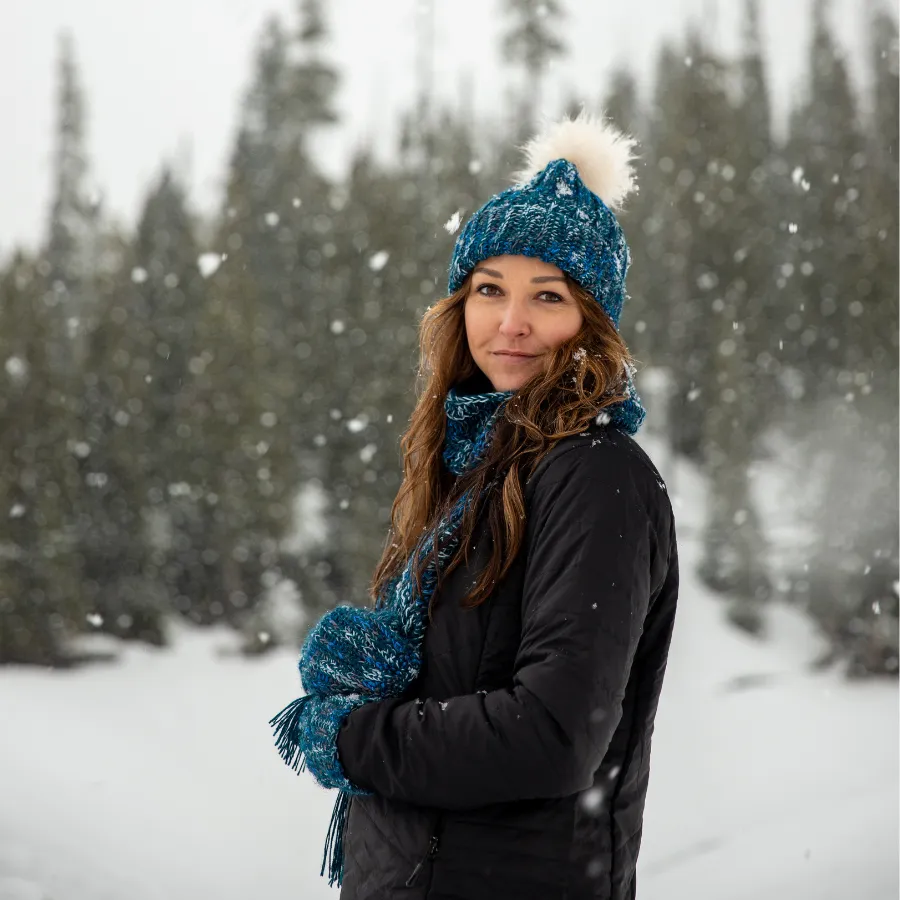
(489, 721)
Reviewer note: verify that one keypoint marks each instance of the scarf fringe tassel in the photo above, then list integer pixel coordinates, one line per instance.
(285, 725)
(334, 840)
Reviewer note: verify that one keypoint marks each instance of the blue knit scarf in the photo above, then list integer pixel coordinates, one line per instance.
(354, 656)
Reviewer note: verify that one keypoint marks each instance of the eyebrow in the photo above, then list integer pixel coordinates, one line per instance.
(540, 279)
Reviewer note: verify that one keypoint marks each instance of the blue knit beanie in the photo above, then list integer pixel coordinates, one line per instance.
(561, 211)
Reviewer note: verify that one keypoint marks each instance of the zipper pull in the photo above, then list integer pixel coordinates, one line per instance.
(432, 852)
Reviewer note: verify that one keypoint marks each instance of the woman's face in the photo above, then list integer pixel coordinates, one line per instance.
(518, 310)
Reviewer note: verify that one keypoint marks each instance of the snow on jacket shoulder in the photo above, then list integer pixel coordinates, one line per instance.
(520, 705)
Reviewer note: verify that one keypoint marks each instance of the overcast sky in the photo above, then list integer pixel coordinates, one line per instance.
(164, 79)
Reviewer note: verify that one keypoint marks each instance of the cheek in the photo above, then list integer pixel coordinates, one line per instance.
(476, 324)
(562, 328)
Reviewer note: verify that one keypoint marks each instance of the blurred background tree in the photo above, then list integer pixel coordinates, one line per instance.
(201, 418)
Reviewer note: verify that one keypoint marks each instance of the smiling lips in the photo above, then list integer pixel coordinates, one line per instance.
(518, 355)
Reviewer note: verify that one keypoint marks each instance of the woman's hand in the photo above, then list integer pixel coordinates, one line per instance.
(352, 650)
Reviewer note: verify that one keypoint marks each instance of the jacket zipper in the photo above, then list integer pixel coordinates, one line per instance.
(433, 845)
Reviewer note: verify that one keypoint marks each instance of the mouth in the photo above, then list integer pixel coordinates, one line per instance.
(513, 354)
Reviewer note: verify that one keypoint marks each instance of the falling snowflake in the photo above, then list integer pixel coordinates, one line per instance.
(337, 327)
(272, 219)
(592, 800)
(208, 263)
(368, 452)
(94, 619)
(138, 275)
(377, 261)
(17, 511)
(16, 367)
(451, 226)
(798, 179)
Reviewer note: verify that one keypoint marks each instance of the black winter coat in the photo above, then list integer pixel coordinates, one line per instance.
(516, 766)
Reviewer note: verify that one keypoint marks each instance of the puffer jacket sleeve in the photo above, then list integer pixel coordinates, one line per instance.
(599, 534)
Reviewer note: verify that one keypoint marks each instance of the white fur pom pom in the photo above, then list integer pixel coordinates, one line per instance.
(601, 153)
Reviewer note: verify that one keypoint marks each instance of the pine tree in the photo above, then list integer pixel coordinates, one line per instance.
(532, 41)
(40, 604)
(754, 162)
(243, 471)
(881, 262)
(657, 282)
(691, 136)
(820, 277)
(273, 301)
(716, 358)
(838, 332)
(143, 353)
(620, 105)
(851, 585)
(72, 233)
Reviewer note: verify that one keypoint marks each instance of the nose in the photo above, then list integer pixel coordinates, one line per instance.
(514, 320)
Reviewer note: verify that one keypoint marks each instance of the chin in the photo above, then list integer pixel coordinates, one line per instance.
(506, 376)
(506, 382)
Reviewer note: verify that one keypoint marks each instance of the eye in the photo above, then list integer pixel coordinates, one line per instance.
(550, 297)
(486, 289)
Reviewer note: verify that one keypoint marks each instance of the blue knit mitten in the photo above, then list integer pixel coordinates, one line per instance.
(352, 650)
(317, 733)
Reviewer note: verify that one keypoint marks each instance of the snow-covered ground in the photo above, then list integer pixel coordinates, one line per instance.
(155, 778)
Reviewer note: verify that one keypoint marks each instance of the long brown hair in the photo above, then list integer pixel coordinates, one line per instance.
(583, 375)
